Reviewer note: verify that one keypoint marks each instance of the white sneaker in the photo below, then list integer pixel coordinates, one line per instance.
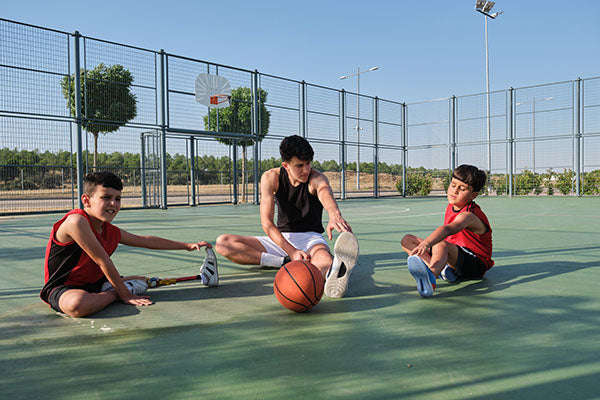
(345, 256)
(135, 286)
(209, 271)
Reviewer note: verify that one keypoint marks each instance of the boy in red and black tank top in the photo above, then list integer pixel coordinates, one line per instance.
(79, 276)
(462, 247)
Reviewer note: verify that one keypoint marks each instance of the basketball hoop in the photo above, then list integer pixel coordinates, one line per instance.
(213, 91)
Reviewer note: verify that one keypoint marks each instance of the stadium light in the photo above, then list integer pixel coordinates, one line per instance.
(485, 7)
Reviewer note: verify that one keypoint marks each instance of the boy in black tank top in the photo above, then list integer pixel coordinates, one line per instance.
(300, 193)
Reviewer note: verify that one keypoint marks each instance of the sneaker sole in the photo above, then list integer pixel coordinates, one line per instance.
(211, 259)
(346, 251)
(419, 271)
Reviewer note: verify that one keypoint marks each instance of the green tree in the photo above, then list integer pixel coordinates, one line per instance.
(237, 118)
(106, 99)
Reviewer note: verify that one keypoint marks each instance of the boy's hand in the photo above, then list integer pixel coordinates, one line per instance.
(339, 224)
(299, 255)
(421, 249)
(198, 246)
(137, 300)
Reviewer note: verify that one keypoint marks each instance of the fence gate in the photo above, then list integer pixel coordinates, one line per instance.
(150, 168)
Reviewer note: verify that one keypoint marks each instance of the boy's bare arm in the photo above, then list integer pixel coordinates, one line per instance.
(465, 220)
(158, 243)
(268, 187)
(77, 228)
(325, 195)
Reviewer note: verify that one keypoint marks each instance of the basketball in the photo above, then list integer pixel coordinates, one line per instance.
(299, 285)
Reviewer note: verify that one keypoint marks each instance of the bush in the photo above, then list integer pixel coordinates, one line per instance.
(498, 183)
(591, 183)
(564, 181)
(416, 184)
(528, 182)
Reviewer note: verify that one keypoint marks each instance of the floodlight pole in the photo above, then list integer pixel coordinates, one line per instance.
(484, 7)
(357, 74)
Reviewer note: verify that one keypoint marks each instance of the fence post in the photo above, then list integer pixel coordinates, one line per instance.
(511, 141)
(193, 169)
(376, 147)
(343, 142)
(578, 137)
(78, 119)
(453, 123)
(143, 171)
(163, 132)
(235, 171)
(303, 110)
(256, 127)
(404, 147)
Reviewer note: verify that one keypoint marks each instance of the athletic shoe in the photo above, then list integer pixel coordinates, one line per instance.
(448, 274)
(135, 286)
(209, 271)
(423, 275)
(345, 254)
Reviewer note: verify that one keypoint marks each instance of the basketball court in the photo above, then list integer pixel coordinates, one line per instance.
(530, 329)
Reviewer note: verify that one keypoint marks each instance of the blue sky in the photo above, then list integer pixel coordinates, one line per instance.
(424, 50)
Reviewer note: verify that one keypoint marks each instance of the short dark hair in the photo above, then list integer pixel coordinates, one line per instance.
(104, 178)
(296, 146)
(470, 175)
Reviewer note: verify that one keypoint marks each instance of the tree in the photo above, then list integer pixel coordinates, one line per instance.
(237, 118)
(106, 99)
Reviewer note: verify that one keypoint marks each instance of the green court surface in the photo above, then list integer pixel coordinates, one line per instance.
(529, 330)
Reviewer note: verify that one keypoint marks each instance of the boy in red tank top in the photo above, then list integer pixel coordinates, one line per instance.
(461, 248)
(80, 278)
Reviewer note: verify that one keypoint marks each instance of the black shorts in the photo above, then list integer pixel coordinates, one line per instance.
(468, 265)
(58, 291)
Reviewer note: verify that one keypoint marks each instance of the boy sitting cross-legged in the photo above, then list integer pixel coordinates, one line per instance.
(80, 278)
(462, 247)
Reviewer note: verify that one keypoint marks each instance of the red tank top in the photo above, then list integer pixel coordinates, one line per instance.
(480, 245)
(68, 264)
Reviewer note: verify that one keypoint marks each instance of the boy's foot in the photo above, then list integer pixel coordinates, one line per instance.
(448, 274)
(423, 275)
(209, 271)
(135, 286)
(345, 254)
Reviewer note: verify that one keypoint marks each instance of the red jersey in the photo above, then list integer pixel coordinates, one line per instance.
(68, 264)
(480, 245)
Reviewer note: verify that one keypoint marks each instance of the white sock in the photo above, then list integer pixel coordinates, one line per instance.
(270, 260)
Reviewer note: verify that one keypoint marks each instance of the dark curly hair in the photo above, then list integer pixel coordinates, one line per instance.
(296, 146)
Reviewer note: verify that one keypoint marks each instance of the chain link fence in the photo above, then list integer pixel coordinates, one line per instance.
(71, 104)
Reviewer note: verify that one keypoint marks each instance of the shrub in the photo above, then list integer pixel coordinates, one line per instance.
(528, 182)
(564, 181)
(416, 184)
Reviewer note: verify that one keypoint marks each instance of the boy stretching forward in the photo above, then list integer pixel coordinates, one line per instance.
(80, 278)
(462, 247)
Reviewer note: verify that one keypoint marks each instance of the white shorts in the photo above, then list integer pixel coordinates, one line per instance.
(300, 240)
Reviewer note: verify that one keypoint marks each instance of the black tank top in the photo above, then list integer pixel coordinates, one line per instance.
(297, 209)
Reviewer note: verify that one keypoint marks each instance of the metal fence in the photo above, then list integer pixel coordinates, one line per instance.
(133, 111)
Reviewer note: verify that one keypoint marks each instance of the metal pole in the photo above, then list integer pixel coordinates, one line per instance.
(193, 170)
(235, 172)
(143, 171)
(404, 147)
(256, 128)
(376, 147)
(533, 134)
(163, 133)
(358, 129)
(303, 111)
(487, 77)
(452, 134)
(511, 141)
(79, 143)
(343, 143)
(578, 137)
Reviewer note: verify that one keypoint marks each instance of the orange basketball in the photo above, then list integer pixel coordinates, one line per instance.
(299, 285)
